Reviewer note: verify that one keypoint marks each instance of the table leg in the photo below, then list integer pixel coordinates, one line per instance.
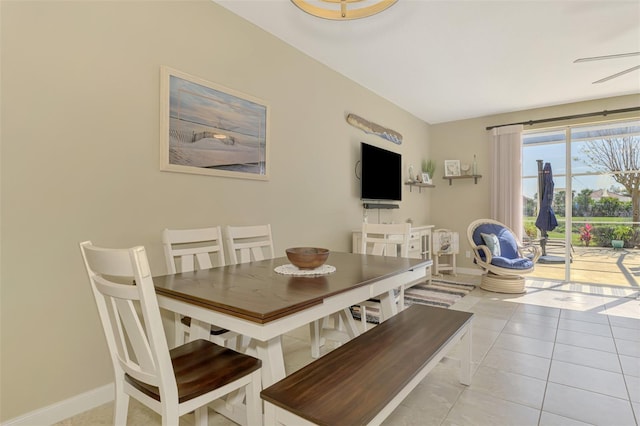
(271, 355)
(388, 306)
(349, 323)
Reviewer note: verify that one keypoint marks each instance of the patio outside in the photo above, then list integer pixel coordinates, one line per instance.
(595, 265)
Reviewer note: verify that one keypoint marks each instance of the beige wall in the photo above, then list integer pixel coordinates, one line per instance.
(80, 134)
(458, 205)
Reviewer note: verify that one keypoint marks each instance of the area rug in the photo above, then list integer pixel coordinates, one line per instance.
(441, 292)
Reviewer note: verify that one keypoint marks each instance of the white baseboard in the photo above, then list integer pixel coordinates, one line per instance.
(64, 409)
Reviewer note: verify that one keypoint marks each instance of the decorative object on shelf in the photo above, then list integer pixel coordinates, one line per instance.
(375, 129)
(426, 178)
(474, 169)
(429, 167)
(211, 130)
(465, 168)
(342, 10)
(307, 257)
(410, 174)
(451, 168)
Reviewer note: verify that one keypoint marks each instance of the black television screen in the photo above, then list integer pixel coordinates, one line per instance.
(381, 173)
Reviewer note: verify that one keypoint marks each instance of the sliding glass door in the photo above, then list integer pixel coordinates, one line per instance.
(596, 201)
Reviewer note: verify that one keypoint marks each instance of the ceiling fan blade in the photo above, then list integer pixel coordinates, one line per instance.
(600, 58)
(602, 80)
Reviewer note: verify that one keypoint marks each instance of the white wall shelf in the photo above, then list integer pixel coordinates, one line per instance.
(419, 185)
(451, 178)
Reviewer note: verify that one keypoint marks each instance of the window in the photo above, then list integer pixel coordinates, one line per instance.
(596, 171)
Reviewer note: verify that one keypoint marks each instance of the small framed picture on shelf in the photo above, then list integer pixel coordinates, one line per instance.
(451, 168)
(426, 178)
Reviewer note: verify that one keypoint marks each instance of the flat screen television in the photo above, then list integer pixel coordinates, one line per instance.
(381, 173)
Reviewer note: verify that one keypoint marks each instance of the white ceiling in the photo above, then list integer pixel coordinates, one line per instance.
(455, 59)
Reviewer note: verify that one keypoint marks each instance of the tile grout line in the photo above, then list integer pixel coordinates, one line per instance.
(546, 385)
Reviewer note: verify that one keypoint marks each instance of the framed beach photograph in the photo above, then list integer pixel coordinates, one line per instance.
(209, 129)
(451, 168)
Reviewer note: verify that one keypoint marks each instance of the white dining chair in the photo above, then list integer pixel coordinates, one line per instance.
(382, 239)
(249, 243)
(188, 250)
(170, 382)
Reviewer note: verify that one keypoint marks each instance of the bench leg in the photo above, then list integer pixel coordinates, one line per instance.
(465, 358)
(276, 416)
(269, 414)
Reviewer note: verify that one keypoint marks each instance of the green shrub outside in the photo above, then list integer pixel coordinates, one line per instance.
(602, 234)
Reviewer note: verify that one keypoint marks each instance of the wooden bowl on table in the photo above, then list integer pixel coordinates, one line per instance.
(307, 257)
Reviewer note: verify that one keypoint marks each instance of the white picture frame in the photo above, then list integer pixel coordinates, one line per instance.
(426, 178)
(208, 129)
(451, 168)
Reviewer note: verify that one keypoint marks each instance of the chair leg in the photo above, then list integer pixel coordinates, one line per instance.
(170, 416)
(120, 405)
(202, 416)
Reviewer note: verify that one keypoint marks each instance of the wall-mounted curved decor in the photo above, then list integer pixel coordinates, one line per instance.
(376, 129)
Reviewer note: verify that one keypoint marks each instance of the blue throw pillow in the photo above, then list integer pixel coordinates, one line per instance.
(492, 242)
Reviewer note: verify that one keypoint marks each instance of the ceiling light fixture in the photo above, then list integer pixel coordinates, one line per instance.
(342, 10)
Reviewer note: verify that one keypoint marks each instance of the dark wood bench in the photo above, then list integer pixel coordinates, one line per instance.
(364, 380)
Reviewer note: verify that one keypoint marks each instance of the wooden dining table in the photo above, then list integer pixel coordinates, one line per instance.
(254, 300)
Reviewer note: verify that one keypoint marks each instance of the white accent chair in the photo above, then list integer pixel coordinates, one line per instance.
(187, 250)
(503, 259)
(170, 382)
(382, 239)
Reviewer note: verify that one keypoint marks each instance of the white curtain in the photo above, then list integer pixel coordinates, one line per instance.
(506, 177)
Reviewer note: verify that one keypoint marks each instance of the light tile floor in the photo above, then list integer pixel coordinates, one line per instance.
(561, 354)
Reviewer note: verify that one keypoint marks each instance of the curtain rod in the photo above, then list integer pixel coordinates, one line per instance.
(569, 117)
